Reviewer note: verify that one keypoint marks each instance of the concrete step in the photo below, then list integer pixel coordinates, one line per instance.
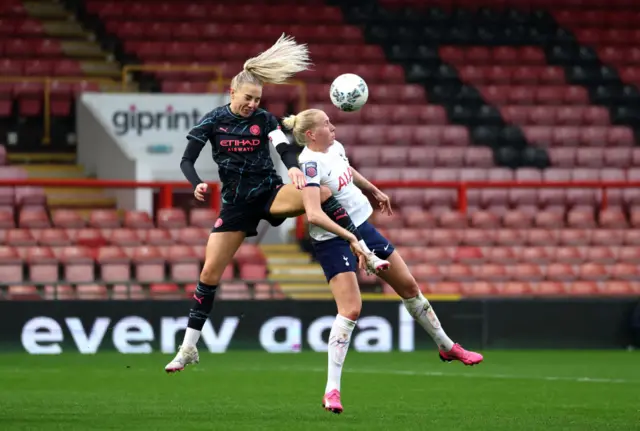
(280, 248)
(83, 49)
(101, 68)
(54, 171)
(46, 9)
(288, 258)
(65, 29)
(47, 158)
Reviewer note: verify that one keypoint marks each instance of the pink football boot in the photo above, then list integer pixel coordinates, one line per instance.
(331, 402)
(457, 353)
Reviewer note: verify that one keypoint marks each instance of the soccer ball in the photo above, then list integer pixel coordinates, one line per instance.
(349, 92)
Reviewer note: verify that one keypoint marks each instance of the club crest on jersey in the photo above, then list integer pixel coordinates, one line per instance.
(311, 169)
(254, 130)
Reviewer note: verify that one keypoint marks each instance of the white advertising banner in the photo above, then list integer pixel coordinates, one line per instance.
(152, 128)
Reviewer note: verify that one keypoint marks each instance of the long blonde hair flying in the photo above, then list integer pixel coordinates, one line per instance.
(275, 65)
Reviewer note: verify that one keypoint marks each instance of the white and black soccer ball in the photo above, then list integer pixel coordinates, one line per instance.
(349, 92)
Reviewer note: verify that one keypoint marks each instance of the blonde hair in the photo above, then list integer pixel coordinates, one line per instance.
(276, 65)
(300, 123)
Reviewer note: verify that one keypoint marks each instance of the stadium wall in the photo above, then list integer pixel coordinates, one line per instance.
(141, 327)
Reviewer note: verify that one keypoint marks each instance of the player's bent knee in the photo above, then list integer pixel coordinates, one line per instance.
(210, 273)
(350, 312)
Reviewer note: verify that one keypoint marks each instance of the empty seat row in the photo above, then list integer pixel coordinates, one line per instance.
(112, 264)
(39, 67)
(569, 157)
(412, 215)
(422, 137)
(85, 291)
(533, 94)
(371, 156)
(606, 36)
(533, 289)
(12, 26)
(236, 53)
(256, 32)
(512, 255)
(524, 272)
(25, 196)
(576, 136)
(108, 218)
(519, 74)
(512, 237)
(392, 114)
(484, 55)
(556, 115)
(34, 47)
(217, 12)
(620, 19)
(507, 8)
(619, 56)
(194, 47)
(316, 93)
(455, 175)
(120, 236)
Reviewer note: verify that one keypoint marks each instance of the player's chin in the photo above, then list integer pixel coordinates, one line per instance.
(246, 112)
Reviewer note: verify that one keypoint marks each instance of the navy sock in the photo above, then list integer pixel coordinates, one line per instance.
(202, 305)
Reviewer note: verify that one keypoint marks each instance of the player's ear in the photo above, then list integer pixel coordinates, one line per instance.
(309, 135)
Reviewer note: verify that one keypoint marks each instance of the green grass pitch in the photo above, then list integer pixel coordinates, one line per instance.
(537, 390)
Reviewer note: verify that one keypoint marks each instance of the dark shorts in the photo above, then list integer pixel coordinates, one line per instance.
(335, 256)
(245, 217)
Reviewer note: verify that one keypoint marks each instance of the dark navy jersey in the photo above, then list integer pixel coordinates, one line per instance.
(241, 151)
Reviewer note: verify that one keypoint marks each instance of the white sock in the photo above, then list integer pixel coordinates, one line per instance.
(191, 337)
(420, 309)
(339, 340)
(364, 246)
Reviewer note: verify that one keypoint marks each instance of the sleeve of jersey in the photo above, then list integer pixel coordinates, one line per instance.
(312, 172)
(201, 132)
(288, 152)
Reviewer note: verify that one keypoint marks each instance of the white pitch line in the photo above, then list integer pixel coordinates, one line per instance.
(478, 375)
(475, 374)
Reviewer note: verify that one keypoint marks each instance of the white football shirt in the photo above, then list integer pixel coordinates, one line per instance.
(332, 169)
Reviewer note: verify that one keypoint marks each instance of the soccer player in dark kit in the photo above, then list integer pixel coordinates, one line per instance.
(241, 134)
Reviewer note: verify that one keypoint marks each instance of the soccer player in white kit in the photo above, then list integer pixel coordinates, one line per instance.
(324, 162)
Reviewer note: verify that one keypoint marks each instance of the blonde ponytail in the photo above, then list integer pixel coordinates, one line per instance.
(289, 122)
(300, 123)
(276, 65)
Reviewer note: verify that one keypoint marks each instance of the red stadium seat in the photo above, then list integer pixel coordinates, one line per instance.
(149, 264)
(114, 264)
(171, 218)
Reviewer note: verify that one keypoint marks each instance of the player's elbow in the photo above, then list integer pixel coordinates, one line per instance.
(186, 163)
(314, 216)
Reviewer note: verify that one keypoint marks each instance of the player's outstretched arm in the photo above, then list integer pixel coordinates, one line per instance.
(384, 203)
(361, 182)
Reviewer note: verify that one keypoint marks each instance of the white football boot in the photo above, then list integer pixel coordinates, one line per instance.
(186, 355)
(375, 264)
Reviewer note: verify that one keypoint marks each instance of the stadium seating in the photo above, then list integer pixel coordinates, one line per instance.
(101, 256)
(459, 91)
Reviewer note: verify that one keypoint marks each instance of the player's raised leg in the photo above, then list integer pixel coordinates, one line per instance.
(219, 252)
(400, 279)
(288, 203)
(344, 287)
